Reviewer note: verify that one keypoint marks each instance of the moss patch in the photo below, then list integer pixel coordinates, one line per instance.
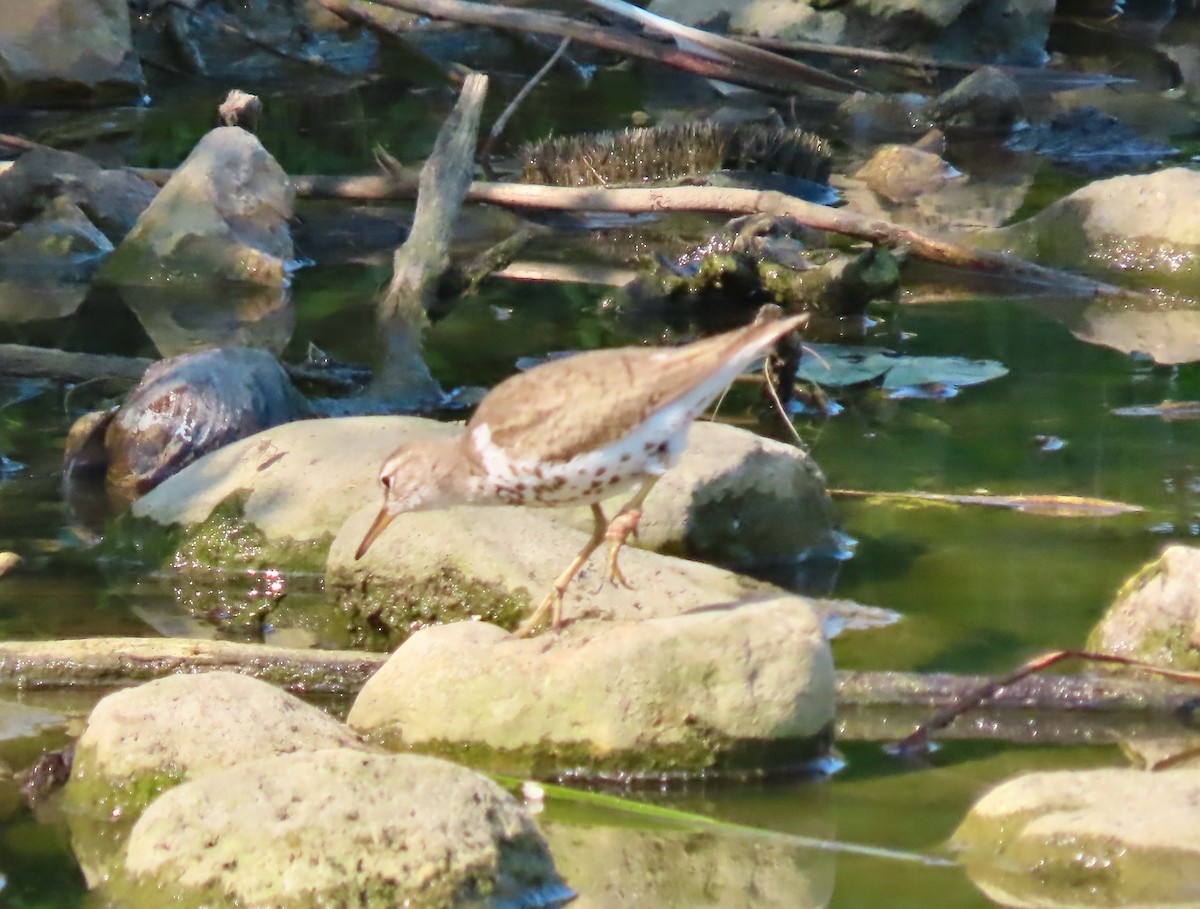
(384, 612)
(704, 753)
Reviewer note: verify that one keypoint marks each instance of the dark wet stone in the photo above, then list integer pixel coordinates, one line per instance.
(1089, 140)
(190, 405)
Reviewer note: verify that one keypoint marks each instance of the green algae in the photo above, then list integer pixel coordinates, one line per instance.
(703, 753)
(384, 615)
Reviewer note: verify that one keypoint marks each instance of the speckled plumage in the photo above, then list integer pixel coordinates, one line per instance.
(574, 431)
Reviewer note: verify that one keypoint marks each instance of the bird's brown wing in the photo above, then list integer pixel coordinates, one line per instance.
(563, 407)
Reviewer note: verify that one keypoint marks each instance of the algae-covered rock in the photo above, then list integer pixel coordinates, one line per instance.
(275, 501)
(734, 498)
(496, 564)
(1144, 227)
(724, 689)
(144, 740)
(337, 829)
(207, 262)
(1155, 614)
(1111, 837)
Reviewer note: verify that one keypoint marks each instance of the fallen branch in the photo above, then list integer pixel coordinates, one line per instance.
(91, 662)
(732, 202)
(21, 361)
(612, 39)
(992, 691)
(1054, 506)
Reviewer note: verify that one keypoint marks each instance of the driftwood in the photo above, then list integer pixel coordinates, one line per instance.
(419, 264)
(725, 201)
(91, 662)
(790, 77)
(21, 361)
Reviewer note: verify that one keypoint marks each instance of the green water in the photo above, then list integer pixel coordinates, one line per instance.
(979, 588)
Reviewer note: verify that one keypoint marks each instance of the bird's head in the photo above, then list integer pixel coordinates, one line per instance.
(419, 476)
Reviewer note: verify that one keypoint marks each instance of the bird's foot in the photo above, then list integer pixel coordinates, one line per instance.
(552, 602)
(620, 529)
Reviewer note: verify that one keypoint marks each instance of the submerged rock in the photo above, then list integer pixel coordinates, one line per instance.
(339, 829)
(1110, 837)
(741, 688)
(1143, 228)
(182, 409)
(46, 263)
(110, 198)
(68, 51)
(899, 173)
(1156, 614)
(207, 263)
(987, 102)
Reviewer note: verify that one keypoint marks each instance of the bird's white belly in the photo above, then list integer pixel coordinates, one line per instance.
(589, 477)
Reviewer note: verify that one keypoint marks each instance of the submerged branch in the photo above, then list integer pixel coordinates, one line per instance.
(92, 662)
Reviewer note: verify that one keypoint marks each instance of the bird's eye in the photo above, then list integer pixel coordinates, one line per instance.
(386, 480)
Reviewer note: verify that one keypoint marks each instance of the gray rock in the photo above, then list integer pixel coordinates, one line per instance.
(1145, 227)
(286, 493)
(111, 199)
(207, 263)
(986, 102)
(903, 172)
(72, 51)
(337, 829)
(734, 498)
(1155, 614)
(187, 406)
(496, 564)
(715, 690)
(298, 481)
(1111, 837)
(142, 741)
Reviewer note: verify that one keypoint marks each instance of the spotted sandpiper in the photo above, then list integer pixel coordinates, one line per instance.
(572, 431)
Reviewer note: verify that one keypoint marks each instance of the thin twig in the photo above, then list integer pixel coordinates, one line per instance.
(485, 153)
(918, 741)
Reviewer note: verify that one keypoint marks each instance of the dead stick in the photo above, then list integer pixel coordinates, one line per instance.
(120, 661)
(485, 153)
(732, 201)
(726, 201)
(21, 361)
(613, 39)
(918, 740)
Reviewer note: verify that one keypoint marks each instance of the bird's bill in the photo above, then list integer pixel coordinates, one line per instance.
(377, 527)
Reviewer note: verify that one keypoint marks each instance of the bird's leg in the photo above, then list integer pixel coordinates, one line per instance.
(555, 597)
(621, 528)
